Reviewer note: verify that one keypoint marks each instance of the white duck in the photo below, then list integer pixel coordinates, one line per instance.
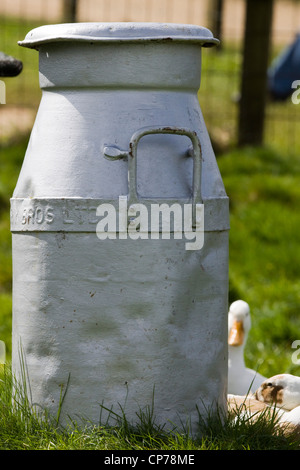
(283, 393)
(241, 380)
(282, 390)
(280, 393)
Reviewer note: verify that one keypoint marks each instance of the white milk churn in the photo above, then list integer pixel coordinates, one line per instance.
(119, 225)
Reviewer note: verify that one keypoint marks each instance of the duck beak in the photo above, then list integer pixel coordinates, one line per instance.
(236, 334)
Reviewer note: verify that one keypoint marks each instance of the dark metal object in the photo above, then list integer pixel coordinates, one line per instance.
(9, 66)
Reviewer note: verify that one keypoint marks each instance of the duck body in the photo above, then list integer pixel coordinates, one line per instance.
(248, 404)
(250, 408)
(290, 420)
(279, 394)
(241, 379)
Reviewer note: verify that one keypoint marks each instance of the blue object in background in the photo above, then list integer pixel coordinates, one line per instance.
(284, 70)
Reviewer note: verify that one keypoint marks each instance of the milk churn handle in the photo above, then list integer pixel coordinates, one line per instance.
(114, 153)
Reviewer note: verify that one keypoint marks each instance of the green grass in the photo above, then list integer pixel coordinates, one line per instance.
(21, 428)
(264, 191)
(11, 157)
(22, 90)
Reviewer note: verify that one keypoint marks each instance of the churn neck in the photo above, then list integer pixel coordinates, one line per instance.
(159, 56)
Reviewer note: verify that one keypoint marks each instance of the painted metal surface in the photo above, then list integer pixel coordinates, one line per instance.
(119, 318)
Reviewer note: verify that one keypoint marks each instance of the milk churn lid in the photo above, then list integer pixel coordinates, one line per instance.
(118, 32)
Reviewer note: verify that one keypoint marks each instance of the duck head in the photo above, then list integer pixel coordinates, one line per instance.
(239, 323)
(282, 390)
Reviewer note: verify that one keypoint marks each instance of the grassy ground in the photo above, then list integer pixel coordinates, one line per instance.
(264, 190)
(24, 89)
(22, 429)
(10, 162)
